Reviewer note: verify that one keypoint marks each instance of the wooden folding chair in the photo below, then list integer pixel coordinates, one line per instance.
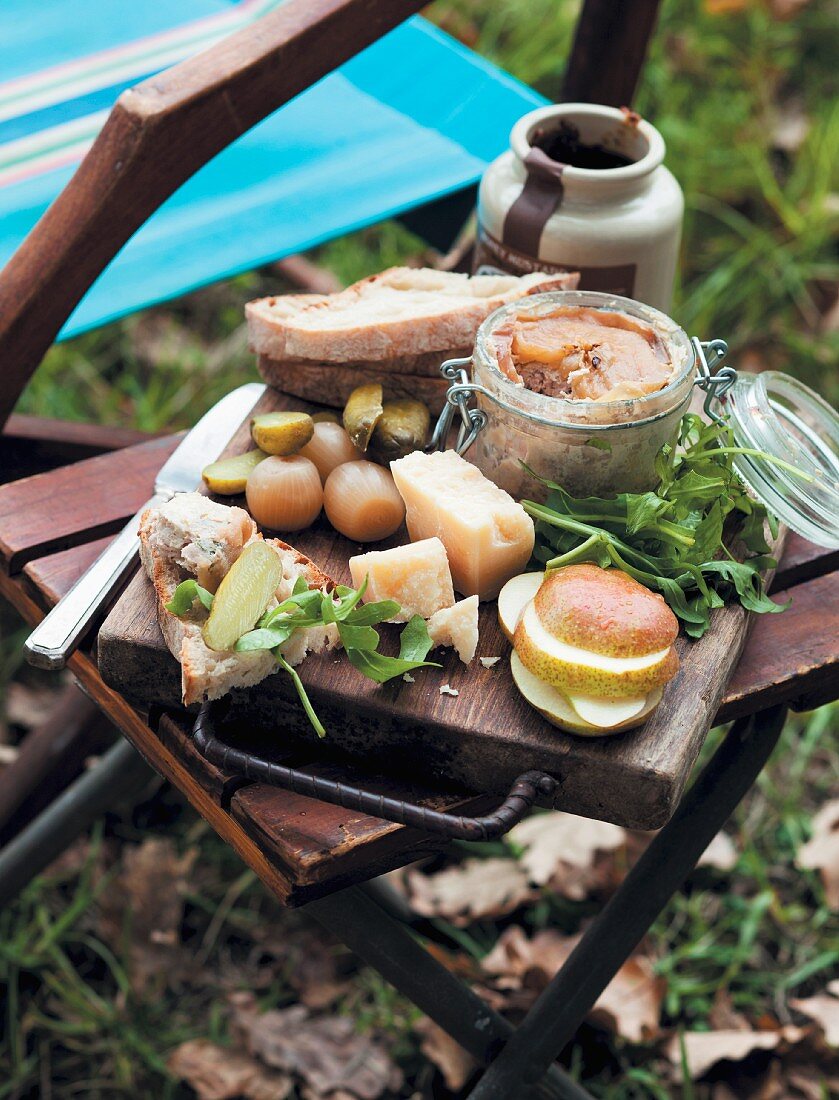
(53, 525)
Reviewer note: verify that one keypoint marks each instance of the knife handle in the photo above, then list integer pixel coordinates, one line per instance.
(60, 632)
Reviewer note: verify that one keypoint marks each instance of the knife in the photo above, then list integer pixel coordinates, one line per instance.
(59, 633)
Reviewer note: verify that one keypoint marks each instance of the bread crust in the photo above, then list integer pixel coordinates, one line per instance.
(399, 312)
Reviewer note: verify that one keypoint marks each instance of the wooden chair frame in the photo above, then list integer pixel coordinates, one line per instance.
(139, 158)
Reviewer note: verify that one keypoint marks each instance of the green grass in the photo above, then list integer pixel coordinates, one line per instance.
(758, 269)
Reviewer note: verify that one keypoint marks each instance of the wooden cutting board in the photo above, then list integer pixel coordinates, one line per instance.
(481, 738)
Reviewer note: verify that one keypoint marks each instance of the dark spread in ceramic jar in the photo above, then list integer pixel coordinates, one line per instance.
(583, 354)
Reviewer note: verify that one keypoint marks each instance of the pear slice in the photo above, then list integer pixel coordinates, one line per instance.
(514, 598)
(582, 672)
(607, 712)
(243, 595)
(555, 707)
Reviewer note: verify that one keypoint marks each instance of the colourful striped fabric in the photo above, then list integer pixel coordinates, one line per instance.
(414, 117)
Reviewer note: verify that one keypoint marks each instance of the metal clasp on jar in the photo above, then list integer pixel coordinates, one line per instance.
(459, 392)
(716, 383)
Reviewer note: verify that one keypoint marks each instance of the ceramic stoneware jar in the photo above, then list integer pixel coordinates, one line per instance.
(583, 188)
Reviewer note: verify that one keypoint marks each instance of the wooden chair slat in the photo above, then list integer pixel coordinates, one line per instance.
(803, 560)
(76, 504)
(48, 578)
(792, 657)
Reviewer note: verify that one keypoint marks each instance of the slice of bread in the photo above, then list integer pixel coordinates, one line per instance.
(332, 383)
(403, 311)
(193, 536)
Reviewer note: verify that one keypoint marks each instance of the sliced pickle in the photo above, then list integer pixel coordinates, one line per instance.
(327, 416)
(243, 595)
(362, 413)
(228, 476)
(402, 428)
(282, 433)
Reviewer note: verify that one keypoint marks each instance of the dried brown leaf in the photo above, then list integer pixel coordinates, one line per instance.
(217, 1073)
(325, 1052)
(470, 891)
(821, 852)
(455, 1064)
(143, 910)
(720, 853)
(824, 1010)
(567, 852)
(705, 1049)
(630, 1006)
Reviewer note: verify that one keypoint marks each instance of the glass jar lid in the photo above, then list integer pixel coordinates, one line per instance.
(780, 416)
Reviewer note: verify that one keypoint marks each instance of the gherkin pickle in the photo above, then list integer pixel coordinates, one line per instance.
(282, 433)
(402, 428)
(243, 595)
(362, 413)
(228, 476)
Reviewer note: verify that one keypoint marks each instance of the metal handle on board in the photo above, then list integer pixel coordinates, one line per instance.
(521, 797)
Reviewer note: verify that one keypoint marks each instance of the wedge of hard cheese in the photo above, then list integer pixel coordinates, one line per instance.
(417, 576)
(488, 536)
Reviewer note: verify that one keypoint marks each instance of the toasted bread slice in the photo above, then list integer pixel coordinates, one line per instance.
(400, 312)
(193, 536)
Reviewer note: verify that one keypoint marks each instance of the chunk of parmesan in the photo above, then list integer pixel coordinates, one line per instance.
(458, 627)
(447, 689)
(488, 536)
(417, 576)
(489, 662)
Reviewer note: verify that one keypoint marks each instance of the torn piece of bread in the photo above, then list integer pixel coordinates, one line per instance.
(456, 626)
(193, 536)
(403, 311)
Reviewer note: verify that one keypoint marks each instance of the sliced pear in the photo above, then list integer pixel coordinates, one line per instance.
(607, 712)
(228, 476)
(514, 598)
(555, 707)
(582, 672)
(243, 595)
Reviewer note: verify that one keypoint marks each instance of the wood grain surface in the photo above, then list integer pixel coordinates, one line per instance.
(482, 738)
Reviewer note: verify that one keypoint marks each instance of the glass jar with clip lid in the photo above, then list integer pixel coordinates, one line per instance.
(602, 447)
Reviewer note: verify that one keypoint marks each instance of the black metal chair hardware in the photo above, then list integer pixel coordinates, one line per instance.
(523, 793)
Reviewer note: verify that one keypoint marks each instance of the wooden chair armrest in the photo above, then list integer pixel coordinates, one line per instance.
(158, 134)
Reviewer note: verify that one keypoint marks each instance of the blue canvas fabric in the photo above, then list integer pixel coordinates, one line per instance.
(414, 117)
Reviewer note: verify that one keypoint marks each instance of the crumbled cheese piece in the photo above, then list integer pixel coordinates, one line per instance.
(447, 689)
(488, 662)
(458, 627)
(408, 678)
(487, 535)
(417, 576)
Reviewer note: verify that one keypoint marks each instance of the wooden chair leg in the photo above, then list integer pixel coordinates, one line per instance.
(610, 45)
(51, 756)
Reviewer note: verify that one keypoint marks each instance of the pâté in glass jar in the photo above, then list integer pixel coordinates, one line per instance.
(582, 387)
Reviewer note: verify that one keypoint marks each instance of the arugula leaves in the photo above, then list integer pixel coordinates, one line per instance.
(670, 539)
(185, 596)
(307, 607)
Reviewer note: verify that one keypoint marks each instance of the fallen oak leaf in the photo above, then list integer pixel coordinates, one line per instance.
(325, 1052)
(455, 1063)
(821, 852)
(630, 1006)
(824, 1011)
(217, 1073)
(706, 1049)
(564, 850)
(472, 890)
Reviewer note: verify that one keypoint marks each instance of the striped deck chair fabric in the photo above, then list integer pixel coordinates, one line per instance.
(414, 117)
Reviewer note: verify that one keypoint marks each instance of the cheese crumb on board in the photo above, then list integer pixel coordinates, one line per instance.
(447, 689)
(488, 662)
(458, 627)
(417, 576)
(488, 536)
(408, 678)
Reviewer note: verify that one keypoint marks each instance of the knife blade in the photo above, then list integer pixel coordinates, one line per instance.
(60, 632)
